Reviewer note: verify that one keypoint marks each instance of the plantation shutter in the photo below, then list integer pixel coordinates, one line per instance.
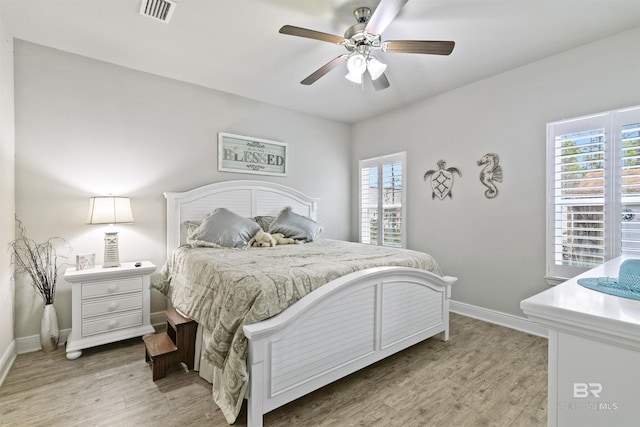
(579, 158)
(629, 128)
(392, 203)
(369, 183)
(593, 191)
(382, 195)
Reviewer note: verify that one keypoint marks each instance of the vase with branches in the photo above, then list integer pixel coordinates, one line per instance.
(41, 263)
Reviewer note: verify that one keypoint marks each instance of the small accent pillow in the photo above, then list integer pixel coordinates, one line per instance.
(223, 228)
(264, 221)
(295, 226)
(191, 226)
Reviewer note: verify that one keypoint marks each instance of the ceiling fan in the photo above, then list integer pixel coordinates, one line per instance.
(364, 38)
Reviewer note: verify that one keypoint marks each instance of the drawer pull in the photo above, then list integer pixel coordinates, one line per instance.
(113, 324)
(112, 288)
(113, 306)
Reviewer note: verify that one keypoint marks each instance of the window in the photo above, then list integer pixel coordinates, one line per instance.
(382, 200)
(593, 191)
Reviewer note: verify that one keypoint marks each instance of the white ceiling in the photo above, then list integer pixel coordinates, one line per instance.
(234, 45)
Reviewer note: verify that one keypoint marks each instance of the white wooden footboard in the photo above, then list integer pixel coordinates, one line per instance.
(340, 328)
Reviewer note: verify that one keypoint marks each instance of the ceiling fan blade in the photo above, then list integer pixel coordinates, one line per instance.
(386, 11)
(324, 69)
(381, 82)
(311, 34)
(418, 46)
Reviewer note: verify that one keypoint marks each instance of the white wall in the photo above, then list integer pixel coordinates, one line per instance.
(85, 128)
(497, 247)
(7, 199)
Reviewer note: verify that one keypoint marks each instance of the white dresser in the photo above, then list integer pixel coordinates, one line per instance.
(594, 352)
(109, 304)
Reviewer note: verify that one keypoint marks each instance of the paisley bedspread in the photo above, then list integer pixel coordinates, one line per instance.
(224, 289)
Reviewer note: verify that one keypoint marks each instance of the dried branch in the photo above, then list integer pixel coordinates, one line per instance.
(41, 262)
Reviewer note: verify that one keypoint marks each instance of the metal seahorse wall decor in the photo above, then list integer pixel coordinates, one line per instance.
(441, 180)
(490, 174)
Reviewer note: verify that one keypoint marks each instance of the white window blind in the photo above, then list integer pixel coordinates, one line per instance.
(593, 191)
(382, 195)
(629, 129)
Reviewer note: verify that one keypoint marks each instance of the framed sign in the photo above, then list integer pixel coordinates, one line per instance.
(243, 154)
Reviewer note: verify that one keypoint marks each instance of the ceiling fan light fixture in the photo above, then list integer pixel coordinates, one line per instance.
(357, 64)
(362, 39)
(375, 68)
(354, 77)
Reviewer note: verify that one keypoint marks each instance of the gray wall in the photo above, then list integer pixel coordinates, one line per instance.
(497, 247)
(7, 199)
(85, 128)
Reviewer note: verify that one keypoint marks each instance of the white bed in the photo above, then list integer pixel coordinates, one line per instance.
(375, 301)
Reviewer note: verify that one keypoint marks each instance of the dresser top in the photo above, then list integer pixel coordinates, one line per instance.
(570, 305)
(126, 269)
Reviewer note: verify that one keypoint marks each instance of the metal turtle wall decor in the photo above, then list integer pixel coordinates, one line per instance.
(490, 174)
(441, 180)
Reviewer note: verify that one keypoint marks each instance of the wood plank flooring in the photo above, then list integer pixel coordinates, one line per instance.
(485, 375)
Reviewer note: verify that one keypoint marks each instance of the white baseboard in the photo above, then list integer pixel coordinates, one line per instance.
(521, 324)
(6, 361)
(32, 343)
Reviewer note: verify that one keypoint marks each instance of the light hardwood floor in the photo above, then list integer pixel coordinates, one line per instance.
(485, 375)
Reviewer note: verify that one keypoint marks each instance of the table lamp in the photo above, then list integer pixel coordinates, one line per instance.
(110, 210)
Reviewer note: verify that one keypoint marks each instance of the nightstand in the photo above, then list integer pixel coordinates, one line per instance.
(109, 304)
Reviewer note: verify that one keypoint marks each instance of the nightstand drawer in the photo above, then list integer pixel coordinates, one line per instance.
(112, 323)
(112, 287)
(111, 305)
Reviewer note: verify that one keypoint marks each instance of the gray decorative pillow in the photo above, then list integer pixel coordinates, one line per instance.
(295, 226)
(223, 228)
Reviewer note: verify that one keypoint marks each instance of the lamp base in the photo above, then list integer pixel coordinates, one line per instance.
(111, 256)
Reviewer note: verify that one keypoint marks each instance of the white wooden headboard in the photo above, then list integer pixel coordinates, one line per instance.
(247, 198)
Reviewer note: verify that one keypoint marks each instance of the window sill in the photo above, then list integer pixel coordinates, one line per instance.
(553, 281)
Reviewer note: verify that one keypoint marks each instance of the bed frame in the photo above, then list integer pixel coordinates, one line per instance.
(337, 329)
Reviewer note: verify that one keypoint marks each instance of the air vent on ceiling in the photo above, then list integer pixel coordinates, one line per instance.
(160, 10)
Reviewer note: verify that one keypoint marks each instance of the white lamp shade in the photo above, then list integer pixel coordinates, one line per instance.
(356, 65)
(375, 68)
(109, 210)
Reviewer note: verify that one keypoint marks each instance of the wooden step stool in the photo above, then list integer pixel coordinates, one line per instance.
(176, 345)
